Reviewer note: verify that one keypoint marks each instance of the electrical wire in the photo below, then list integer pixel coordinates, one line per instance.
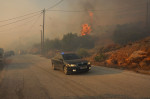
(135, 6)
(35, 22)
(31, 13)
(48, 9)
(18, 21)
(54, 10)
(26, 15)
(19, 25)
(55, 5)
(20, 16)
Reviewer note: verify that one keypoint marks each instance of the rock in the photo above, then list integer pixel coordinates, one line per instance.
(121, 62)
(143, 64)
(147, 59)
(134, 65)
(137, 56)
(114, 61)
(111, 62)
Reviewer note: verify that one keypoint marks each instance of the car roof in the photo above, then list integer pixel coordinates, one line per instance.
(67, 53)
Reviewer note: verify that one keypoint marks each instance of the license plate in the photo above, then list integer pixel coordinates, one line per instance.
(84, 67)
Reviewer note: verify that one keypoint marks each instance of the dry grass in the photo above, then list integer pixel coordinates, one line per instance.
(133, 56)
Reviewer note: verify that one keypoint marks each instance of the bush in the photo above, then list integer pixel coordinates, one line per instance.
(82, 52)
(99, 58)
(109, 48)
(69, 42)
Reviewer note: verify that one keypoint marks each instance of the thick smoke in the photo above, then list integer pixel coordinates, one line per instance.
(106, 15)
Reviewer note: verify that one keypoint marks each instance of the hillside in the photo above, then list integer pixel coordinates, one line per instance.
(133, 56)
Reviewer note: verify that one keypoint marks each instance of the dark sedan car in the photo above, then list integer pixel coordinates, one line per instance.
(70, 63)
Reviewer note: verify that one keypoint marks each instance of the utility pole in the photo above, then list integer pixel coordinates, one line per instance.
(148, 15)
(41, 42)
(43, 27)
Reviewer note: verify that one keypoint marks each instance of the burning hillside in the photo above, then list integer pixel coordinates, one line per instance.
(135, 56)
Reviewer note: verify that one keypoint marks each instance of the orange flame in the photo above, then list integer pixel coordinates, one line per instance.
(86, 29)
(91, 16)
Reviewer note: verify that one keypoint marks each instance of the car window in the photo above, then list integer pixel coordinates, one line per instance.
(70, 56)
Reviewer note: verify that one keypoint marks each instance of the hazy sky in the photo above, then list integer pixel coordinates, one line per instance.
(27, 32)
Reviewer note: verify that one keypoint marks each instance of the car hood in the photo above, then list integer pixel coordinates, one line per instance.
(76, 61)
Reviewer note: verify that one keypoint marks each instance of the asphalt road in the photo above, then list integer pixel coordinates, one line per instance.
(31, 77)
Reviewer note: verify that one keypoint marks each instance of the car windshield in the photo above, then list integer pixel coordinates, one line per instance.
(70, 56)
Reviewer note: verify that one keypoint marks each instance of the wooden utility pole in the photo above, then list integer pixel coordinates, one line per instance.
(148, 15)
(41, 42)
(43, 27)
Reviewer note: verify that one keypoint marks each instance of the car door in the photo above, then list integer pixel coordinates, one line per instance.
(57, 61)
(60, 62)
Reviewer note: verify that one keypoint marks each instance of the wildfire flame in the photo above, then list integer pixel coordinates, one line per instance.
(86, 29)
(91, 16)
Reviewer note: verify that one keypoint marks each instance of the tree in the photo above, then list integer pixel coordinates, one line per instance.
(87, 42)
(52, 44)
(70, 42)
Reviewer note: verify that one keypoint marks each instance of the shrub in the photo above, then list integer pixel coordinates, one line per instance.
(82, 52)
(99, 58)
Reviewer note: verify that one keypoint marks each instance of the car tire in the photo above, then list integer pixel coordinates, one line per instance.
(66, 71)
(53, 67)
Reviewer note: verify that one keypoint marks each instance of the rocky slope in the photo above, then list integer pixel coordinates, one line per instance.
(135, 56)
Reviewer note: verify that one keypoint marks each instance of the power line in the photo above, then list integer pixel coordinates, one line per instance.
(35, 22)
(55, 5)
(58, 11)
(135, 6)
(26, 15)
(81, 10)
(31, 13)
(52, 2)
(17, 26)
(17, 21)
(19, 16)
(50, 10)
(147, 14)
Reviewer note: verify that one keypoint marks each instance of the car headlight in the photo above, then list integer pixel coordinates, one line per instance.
(89, 63)
(72, 65)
